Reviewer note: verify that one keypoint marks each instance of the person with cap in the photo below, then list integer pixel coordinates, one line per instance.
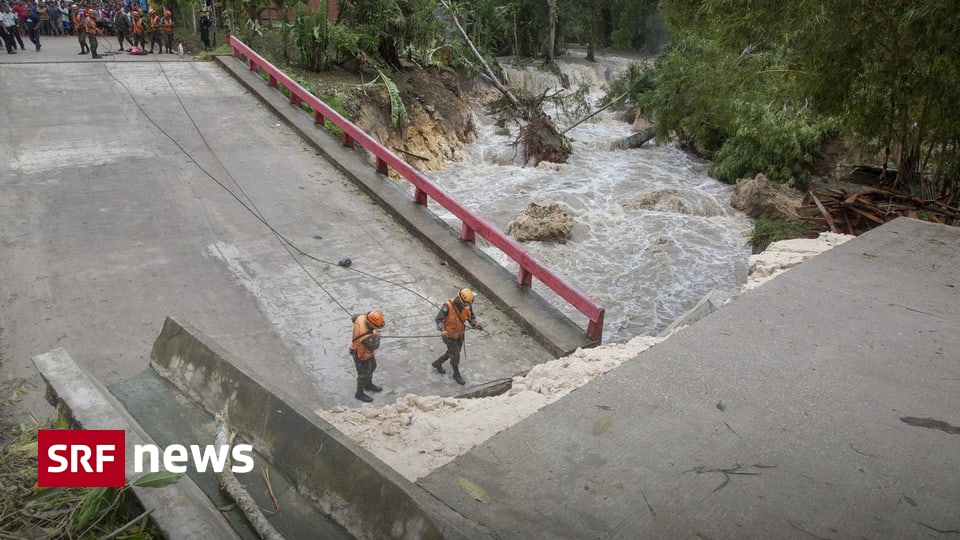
(81, 29)
(136, 32)
(166, 24)
(90, 27)
(156, 34)
(363, 347)
(451, 321)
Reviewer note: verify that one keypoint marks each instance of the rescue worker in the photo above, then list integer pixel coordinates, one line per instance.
(137, 31)
(166, 24)
(363, 346)
(90, 27)
(451, 319)
(78, 17)
(154, 29)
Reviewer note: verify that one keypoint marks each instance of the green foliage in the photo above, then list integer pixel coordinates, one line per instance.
(768, 231)
(322, 42)
(28, 511)
(391, 28)
(887, 74)
(777, 141)
(398, 112)
(632, 87)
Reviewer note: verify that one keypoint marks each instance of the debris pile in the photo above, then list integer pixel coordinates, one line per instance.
(839, 211)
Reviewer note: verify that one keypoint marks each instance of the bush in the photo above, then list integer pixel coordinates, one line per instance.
(775, 140)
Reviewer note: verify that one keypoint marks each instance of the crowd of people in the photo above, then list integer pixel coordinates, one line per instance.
(132, 22)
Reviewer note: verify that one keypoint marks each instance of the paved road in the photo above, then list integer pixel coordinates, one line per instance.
(120, 203)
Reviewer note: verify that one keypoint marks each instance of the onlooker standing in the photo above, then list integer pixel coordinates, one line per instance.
(32, 24)
(65, 22)
(121, 25)
(17, 9)
(8, 25)
(44, 15)
(205, 24)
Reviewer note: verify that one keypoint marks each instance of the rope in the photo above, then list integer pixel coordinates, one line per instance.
(289, 246)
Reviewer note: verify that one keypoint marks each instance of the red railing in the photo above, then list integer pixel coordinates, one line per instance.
(424, 189)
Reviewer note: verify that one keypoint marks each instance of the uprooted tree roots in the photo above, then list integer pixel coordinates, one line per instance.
(542, 142)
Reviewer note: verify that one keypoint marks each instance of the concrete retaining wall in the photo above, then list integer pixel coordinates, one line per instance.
(355, 488)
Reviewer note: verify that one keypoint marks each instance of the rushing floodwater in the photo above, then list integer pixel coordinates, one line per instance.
(646, 267)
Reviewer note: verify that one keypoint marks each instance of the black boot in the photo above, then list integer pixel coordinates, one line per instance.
(457, 377)
(360, 395)
(372, 387)
(438, 365)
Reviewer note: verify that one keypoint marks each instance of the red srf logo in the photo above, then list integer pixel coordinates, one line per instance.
(81, 458)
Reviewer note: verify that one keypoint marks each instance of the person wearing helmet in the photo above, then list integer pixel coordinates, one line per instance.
(166, 24)
(451, 319)
(92, 31)
(363, 346)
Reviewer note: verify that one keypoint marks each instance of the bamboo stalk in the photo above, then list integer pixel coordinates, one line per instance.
(233, 488)
(833, 226)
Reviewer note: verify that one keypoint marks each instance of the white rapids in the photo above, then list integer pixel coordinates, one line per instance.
(645, 266)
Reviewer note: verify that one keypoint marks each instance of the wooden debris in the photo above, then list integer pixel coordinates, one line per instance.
(860, 210)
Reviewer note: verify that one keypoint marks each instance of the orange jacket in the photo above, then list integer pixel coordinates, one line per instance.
(137, 26)
(453, 321)
(167, 24)
(365, 341)
(90, 26)
(78, 21)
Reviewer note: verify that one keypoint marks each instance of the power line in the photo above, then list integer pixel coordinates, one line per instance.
(289, 246)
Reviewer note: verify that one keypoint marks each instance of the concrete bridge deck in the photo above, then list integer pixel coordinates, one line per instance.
(128, 193)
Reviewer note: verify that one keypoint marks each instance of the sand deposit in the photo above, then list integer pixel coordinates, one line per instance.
(417, 434)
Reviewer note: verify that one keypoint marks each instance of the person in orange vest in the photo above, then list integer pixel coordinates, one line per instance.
(137, 31)
(154, 29)
(363, 346)
(451, 321)
(77, 20)
(90, 27)
(166, 24)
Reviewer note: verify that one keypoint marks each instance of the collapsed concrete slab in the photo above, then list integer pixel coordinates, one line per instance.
(351, 485)
(180, 510)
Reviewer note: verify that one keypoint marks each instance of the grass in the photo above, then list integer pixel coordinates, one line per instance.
(768, 231)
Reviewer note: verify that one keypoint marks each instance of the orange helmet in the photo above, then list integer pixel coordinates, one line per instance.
(375, 318)
(465, 295)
